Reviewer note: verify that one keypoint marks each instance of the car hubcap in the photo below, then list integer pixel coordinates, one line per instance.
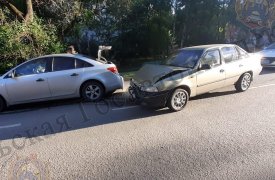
(179, 100)
(246, 81)
(93, 92)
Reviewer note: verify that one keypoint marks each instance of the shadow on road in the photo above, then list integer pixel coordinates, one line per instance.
(117, 98)
(213, 94)
(43, 119)
(54, 117)
(267, 71)
(39, 105)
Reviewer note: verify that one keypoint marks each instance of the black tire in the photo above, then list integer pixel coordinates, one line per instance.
(178, 100)
(92, 91)
(3, 104)
(244, 82)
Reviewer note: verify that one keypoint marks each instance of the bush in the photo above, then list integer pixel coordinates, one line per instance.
(21, 41)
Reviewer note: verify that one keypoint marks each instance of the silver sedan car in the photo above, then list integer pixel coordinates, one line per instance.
(268, 56)
(57, 77)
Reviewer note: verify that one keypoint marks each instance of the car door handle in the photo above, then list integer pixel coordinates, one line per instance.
(74, 74)
(40, 80)
(240, 65)
(222, 71)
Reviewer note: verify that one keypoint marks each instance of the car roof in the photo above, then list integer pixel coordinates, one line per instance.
(79, 56)
(210, 46)
(65, 55)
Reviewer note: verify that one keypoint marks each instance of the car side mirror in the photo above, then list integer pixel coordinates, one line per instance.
(205, 67)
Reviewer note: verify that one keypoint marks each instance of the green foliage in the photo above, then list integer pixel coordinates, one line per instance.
(198, 22)
(145, 28)
(20, 41)
(135, 28)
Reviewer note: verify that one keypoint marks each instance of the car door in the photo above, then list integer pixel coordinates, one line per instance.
(66, 76)
(213, 78)
(234, 64)
(30, 82)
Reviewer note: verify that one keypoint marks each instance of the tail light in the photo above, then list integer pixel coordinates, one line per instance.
(113, 69)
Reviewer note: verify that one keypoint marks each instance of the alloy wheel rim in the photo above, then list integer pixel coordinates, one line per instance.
(246, 81)
(93, 92)
(179, 100)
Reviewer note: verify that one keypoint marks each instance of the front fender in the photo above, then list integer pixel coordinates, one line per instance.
(179, 80)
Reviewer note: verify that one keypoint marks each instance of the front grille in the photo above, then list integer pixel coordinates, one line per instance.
(137, 90)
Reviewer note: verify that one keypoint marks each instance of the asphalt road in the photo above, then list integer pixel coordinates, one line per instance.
(220, 135)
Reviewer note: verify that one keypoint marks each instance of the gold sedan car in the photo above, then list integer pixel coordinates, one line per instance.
(194, 71)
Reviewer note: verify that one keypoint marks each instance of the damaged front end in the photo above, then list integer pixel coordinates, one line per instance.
(153, 99)
(152, 84)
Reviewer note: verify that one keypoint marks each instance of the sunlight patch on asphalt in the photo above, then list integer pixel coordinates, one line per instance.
(10, 126)
(263, 86)
(124, 108)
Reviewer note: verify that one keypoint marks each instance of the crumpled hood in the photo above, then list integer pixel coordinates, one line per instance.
(267, 53)
(151, 73)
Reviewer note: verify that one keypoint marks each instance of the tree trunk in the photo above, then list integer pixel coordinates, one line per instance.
(29, 13)
(13, 9)
(27, 17)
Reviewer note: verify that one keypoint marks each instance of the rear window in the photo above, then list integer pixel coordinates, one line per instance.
(229, 54)
(67, 63)
(82, 64)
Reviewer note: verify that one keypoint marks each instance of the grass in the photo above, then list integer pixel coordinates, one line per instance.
(128, 75)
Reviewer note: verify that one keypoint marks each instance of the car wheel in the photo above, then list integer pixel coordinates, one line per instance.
(2, 104)
(92, 91)
(178, 100)
(244, 82)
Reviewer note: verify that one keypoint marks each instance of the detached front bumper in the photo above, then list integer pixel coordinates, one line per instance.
(156, 100)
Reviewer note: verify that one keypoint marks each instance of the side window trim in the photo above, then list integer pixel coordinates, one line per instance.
(238, 54)
(50, 65)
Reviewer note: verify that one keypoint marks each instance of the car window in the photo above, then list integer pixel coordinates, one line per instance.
(229, 54)
(37, 66)
(63, 63)
(242, 53)
(212, 57)
(82, 64)
(186, 58)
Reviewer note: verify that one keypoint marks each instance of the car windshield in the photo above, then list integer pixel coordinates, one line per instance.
(186, 58)
(272, 46)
